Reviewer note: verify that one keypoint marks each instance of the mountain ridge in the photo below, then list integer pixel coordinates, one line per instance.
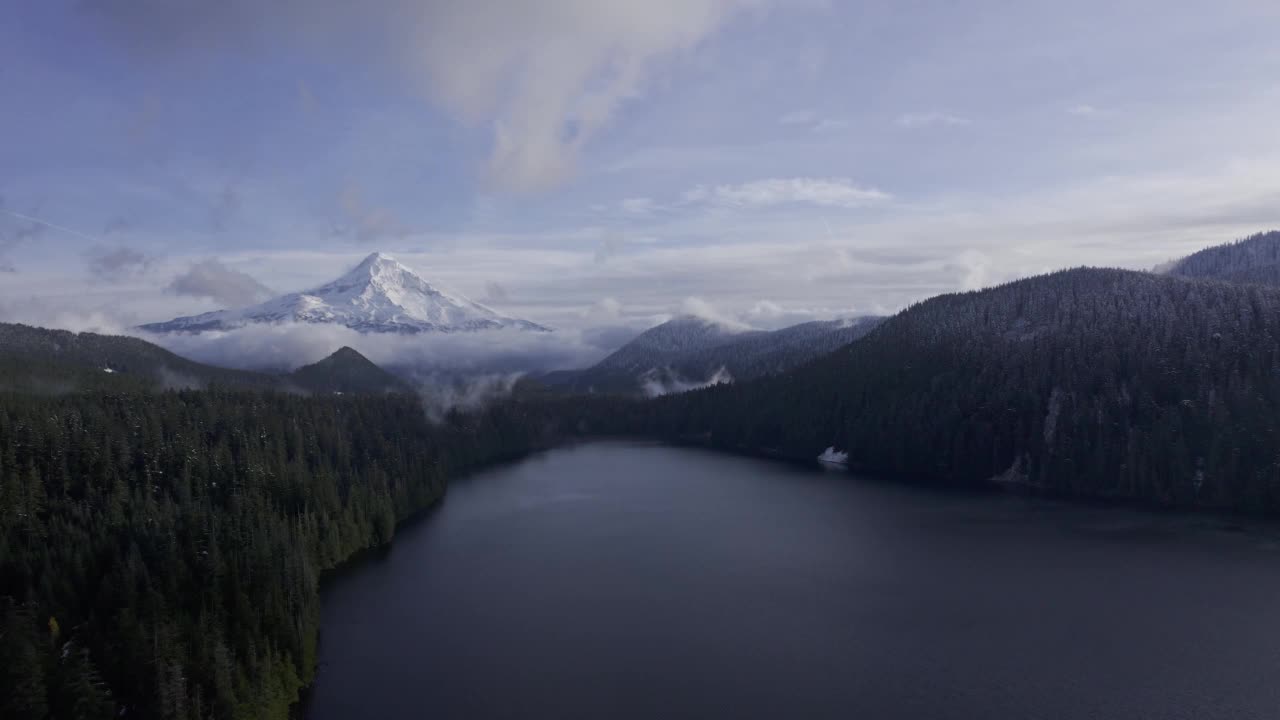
(690, 351)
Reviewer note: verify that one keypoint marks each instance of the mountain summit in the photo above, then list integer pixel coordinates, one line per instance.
(347, 371)
(379, 295)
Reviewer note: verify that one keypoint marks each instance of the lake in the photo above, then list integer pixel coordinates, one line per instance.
(629, 580)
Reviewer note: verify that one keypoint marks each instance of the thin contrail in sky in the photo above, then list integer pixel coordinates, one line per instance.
(46, 223)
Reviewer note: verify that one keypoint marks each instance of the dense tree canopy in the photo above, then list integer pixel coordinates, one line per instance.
(159, 554)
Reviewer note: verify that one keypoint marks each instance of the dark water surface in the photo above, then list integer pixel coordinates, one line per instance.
(623, 580)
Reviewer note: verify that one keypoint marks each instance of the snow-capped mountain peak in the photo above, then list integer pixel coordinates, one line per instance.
(381, 286)
(378, 295)
(380, 273)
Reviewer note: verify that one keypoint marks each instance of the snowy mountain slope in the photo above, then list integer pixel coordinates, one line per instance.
(379, 295)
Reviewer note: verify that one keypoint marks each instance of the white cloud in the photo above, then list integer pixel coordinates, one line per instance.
(638, 205)
(228, 287)
(607, 308)
(549, 75)
(290, 345)
(770, 192)
(442, 392)
(769, 315)
(766, 309)
(699, 307)
(973, 268)
(932, 118)
(543, 78)
(656, 383)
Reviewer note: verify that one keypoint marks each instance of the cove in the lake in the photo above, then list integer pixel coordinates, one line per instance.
(620, 580)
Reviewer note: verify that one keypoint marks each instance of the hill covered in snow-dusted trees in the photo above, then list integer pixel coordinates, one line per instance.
(1254, 260)
(1089, 382)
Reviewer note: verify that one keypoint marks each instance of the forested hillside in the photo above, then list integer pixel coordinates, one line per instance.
(34, 359)
(1254, 260)
(159, 553)
(1099, 383)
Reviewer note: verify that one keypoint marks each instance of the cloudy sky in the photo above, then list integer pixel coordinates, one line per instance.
(595, 163)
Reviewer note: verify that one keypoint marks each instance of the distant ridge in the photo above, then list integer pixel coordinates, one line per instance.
(41, 360)
(1254, 260)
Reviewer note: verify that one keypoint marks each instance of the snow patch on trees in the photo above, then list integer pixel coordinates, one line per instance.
(1015, 475)
(1051, 418)
(831, 456)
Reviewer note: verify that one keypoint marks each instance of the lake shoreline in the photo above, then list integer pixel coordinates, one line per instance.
(552, 492)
